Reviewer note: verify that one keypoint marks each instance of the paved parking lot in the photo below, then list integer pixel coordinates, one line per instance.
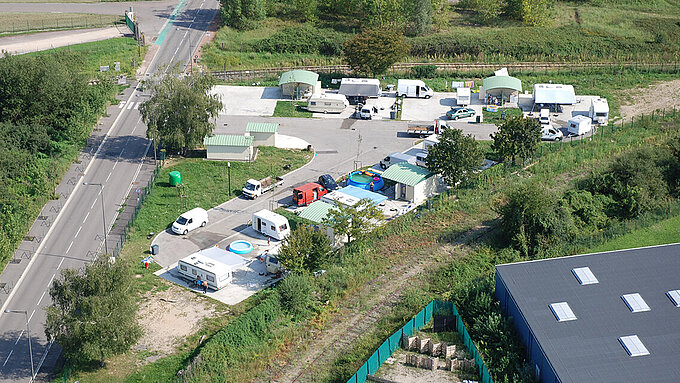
(420, 109)
(248, 100)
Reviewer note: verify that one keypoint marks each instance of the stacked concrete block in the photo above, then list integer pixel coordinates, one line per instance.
(408, 342)
(423, 345)
(412, 360)
(448, 351)
(436, 348)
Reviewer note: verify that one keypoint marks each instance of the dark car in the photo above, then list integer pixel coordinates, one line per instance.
(328, 182)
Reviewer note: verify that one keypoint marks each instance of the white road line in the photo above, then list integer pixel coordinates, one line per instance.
(130, 105)
(29, 318)
(93, 202)
(51, 279)
(69, 246)
(137, 105)
(87, 215)
(43, 294)
(114, 165)
(121, 105)
(107, 177)
(62, 261)
(19, 338)
(42, 360)
(10, 354)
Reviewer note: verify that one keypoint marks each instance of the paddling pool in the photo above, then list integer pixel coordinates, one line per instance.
(241, 247)
(364, 178)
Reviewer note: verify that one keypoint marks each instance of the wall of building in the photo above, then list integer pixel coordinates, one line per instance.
(291, 88)
(263, 139)
(424, 190)
(230, 153)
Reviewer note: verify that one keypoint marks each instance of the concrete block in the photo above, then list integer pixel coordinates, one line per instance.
(449, 351)
(408, 342)
(423, 345)
(435, 349)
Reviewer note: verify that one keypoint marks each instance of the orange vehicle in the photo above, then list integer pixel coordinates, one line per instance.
(308, 193)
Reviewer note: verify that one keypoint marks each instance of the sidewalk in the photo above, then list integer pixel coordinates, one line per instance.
(33, 42)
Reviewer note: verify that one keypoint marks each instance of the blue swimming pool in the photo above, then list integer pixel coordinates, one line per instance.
(241, 247)
(366, 180)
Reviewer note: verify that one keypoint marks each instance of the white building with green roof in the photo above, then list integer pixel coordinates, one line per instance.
(263, 133)
(298, 83)
(413, 183)
(228, 147)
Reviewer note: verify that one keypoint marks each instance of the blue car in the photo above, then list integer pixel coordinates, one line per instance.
(460, 112)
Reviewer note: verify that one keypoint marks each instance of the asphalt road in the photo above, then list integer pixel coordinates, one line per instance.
(75, 234)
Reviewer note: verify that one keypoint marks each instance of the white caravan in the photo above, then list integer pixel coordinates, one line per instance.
(190, 220)
(579, 125)
(544, 117)
(327, 103)
(271, 224)
(413, 88)
(599, 111)
(213, 265)
(463, 96)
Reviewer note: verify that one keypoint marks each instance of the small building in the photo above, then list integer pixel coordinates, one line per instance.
(298, 83)
(214, 265)
(228, 147)
(263, 133)
(316, 212)
(414, 183)
(552, 96)
(500, 86)
(603, 317)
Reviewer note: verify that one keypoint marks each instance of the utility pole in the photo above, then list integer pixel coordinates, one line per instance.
(28, 334)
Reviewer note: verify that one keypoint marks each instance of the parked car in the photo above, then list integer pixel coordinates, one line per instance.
(328, 182)
(308, 193)
(190, 220)
(459, 112)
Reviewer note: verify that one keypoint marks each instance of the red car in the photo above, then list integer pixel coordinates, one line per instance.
(308, 193)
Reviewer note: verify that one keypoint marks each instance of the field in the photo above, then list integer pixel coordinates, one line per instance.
(13, 23)
(664, 232)
(291, 109)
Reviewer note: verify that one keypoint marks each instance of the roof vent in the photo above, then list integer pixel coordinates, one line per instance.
(584, 276)
(674, 296)
(635, 302)
(633, 345)
(562, 311)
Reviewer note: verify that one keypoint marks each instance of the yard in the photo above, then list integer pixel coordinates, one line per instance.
(291, 109)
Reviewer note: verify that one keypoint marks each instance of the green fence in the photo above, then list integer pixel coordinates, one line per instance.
(390, 345)
(22, 23)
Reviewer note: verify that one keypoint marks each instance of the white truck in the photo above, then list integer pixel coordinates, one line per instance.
(413, 88)
(424, 130)
(255, 188)
(463, 96)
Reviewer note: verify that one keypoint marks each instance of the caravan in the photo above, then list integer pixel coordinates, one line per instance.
(579, 126)
(599, 111)
(413, 88)
(463, 96)
(271, 224)
(327, 103)
(213, 265)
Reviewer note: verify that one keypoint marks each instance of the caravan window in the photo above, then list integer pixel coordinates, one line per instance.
(601, 114)
(193, 271)
(327, 103)
(210, 278)
(225, 277)
(283, 227)
(183, 267)
(273, 227)
(312, 103)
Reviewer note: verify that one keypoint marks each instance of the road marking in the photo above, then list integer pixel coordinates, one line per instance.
(51, 279)
(121, 105)
(93, 202)
(137, 105)
(10, 354)
(87, 215)
(43, 294)
(29, 318)
(19, 338)
(42, 360)
(109, 176)
(69, 246)
(130, 105)
(114, 165)
(62, 261)
(171, 20)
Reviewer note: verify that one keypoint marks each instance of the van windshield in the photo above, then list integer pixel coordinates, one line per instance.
(250, 186)
(601, 114)
(181, 220)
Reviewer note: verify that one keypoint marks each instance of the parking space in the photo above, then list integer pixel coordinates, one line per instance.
(248, 100)
(420, 109)
(383, 106)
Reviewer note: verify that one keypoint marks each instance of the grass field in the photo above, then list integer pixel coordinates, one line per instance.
(291, 109)
(13, 23)
(664, 232)
(496, 117)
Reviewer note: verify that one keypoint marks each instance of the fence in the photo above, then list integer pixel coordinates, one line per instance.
(57, 21)
(390, 345)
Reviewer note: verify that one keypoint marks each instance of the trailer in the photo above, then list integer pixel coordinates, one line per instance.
(357, 90)
(424, 130)
(599, 111)
(271, 224)
(213, 265)
(463, 96)
(255, 188)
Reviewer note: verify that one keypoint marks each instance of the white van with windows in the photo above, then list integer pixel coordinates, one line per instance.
(327, 103)
(271, 224)
(413, 88)
(396, 158)
(190, 220)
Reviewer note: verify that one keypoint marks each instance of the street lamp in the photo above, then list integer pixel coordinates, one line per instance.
(229, 173)
(28, 333)
(101, 189)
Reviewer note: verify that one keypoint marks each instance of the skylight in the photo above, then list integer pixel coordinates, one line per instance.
(584, 276)
(674, 296)
(562, 311)
(633, 345)
(635, 302)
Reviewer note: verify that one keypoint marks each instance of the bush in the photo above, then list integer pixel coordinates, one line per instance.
(302, 39)
(424, 71)
(588, 210)
(296, 294)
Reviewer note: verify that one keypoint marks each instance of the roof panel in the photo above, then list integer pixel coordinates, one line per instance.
(227, 140)
(262, 127)
(299, 75)
(674, 296)
(635, 302)
(316, 211)
(584, 276)
(562, 311)
(502, 82)
(633, 345)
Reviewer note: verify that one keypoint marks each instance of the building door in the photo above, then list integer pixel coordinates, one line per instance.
(259, 224)
(402, 191)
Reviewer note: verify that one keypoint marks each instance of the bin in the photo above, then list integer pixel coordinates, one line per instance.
(175, 178)
(393, 114)
(479, 118)
(154, 249)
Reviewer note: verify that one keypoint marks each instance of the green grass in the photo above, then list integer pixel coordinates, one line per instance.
(495, 117)
(291, 109)
(664, 232)
(105, 52)
(26, 22)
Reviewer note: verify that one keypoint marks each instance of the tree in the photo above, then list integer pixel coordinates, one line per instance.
(242, 14)
(419, 16)
(487, 11)
(305, 249)
(455, 156)
(374, 50)
(296, 292)
(530, 12)
(354, 221)
(516, 137)
(181, 111)
(93, 311)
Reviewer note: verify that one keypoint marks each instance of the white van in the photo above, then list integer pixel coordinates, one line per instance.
(579, 125)
(550, 133)
(396, 158)
(421, 159)
(327, 103)
(544, 117)
(413, 88)
(271, 224)
(190, 220)
(463, 96)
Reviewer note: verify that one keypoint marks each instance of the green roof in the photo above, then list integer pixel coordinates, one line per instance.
(405, 173)
(316, 211)
(502, 82)
(262, 127)
(299, 75)
(227, 140)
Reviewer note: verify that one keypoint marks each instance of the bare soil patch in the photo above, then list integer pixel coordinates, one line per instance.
(664, 95)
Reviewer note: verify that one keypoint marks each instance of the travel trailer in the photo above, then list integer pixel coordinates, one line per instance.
(463, 96)
(271, 224)
(599, 111)
(213, 265)
(579, 125)
(327, 103)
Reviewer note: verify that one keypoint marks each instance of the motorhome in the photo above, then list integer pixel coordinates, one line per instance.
(579, 125)
(599, 111)
(413, 88)
(357, 90)
(463, 96)
(213, 265)
(190, 220)
(327, 103)
(271, 224)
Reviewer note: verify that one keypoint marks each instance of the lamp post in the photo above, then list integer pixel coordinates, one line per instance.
(229, 176)
(101, 189)
(28, 333)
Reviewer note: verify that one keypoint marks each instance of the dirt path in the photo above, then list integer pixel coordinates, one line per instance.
(663, 95)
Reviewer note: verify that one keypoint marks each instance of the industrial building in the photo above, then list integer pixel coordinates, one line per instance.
(603, 317)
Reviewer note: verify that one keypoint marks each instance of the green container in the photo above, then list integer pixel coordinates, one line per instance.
(175, 178)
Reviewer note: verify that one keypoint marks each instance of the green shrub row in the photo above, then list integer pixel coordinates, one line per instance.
(302, 39)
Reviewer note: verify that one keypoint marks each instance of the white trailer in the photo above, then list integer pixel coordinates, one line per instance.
(327, 103)
(579, 125)
(213, 265)
(599, 111)
(463, 96)
(413, 88)
(271, 224)
(357, 90)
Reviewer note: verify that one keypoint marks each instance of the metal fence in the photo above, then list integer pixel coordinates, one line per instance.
(390, 345)
(56, 22)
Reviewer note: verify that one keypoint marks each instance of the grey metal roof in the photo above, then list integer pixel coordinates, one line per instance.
(588, 349)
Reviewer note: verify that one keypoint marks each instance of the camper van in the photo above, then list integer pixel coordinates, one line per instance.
(213, 265)
(327, 103)
(357, 90)
(579, 125)
(463, 96)
(599, 111)
(271, 224)
(396, 158)
(413, 88)
(190, 220)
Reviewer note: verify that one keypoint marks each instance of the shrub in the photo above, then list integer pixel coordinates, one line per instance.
(302, 39)
(424, 71)
(587, 209)
(296, 293)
